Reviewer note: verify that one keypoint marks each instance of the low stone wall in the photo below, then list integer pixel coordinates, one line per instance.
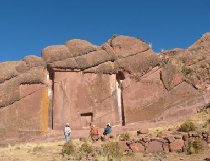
(172, 143)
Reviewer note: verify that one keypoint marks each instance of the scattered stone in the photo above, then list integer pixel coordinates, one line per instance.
(128, 143)
(137, 148)
(166, 148)
(192, 134)
(146, 140)
(178, 136)
(143, 131)
(170, 139)
(185, 137)
(124, 145)
(205, 135)
(177, 145)
(154, 146)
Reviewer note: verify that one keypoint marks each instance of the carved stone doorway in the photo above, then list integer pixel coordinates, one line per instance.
(86, 119)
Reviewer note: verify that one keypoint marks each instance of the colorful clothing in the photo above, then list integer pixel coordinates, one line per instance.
(107, 130)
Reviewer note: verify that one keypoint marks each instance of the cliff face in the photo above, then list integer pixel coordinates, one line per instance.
(122, 81)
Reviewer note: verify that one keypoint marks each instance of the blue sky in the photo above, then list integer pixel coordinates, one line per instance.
(27, 26)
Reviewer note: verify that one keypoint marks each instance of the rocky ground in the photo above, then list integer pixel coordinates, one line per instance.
(51, 150)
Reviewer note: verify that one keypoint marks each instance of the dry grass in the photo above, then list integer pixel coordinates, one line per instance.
(32, 152)
(51, 151)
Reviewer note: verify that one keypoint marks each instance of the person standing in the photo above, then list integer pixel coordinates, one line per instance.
(67, 132)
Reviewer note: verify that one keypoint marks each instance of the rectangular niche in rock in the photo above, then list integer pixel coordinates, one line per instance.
(86, 119)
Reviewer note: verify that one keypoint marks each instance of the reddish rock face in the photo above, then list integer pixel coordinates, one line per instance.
(27, 117)
(143, 131)
(83, 98)
(86, 87)
(139, 94)
(137, 147)
(122, 45)
(177, 145)
(154, 146)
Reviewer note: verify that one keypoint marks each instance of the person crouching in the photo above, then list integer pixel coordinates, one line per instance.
(94, 133)
(107, 130)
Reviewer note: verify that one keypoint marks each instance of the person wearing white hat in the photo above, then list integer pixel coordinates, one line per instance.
(67, 132)
(108, 129)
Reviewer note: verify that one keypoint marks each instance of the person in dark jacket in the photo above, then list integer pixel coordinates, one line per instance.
(108, 129)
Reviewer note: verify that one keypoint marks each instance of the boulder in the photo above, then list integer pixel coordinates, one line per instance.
(104, 68)
(11, 69)
(177, 145)
(34, 61)
(55, 53)
(78, 47)
(140, 62)
(154, 146)
(143, 131)
(137, 148)
(170, 139)
(93, 59)
(126, 46)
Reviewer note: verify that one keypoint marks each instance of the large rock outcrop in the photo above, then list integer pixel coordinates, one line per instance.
(120, 53)
(30, 70)
(23, 98)
(122, 81)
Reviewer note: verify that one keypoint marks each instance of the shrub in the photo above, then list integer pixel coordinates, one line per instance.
(194, 147)
(166, 61)
(37, 148)
(187, 126)
(125, 137)
(112, 151)
(69, 149)
(160, 134)
(86, 148)
(185, 70)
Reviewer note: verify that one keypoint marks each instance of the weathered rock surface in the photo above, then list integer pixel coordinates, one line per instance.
(122, 81)
(154, 146)
(203, 41)
(31, 70)
(90, 98)
(177, 145)
(125, 46)
(127, 53)
(137, 148)
(173, 143)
